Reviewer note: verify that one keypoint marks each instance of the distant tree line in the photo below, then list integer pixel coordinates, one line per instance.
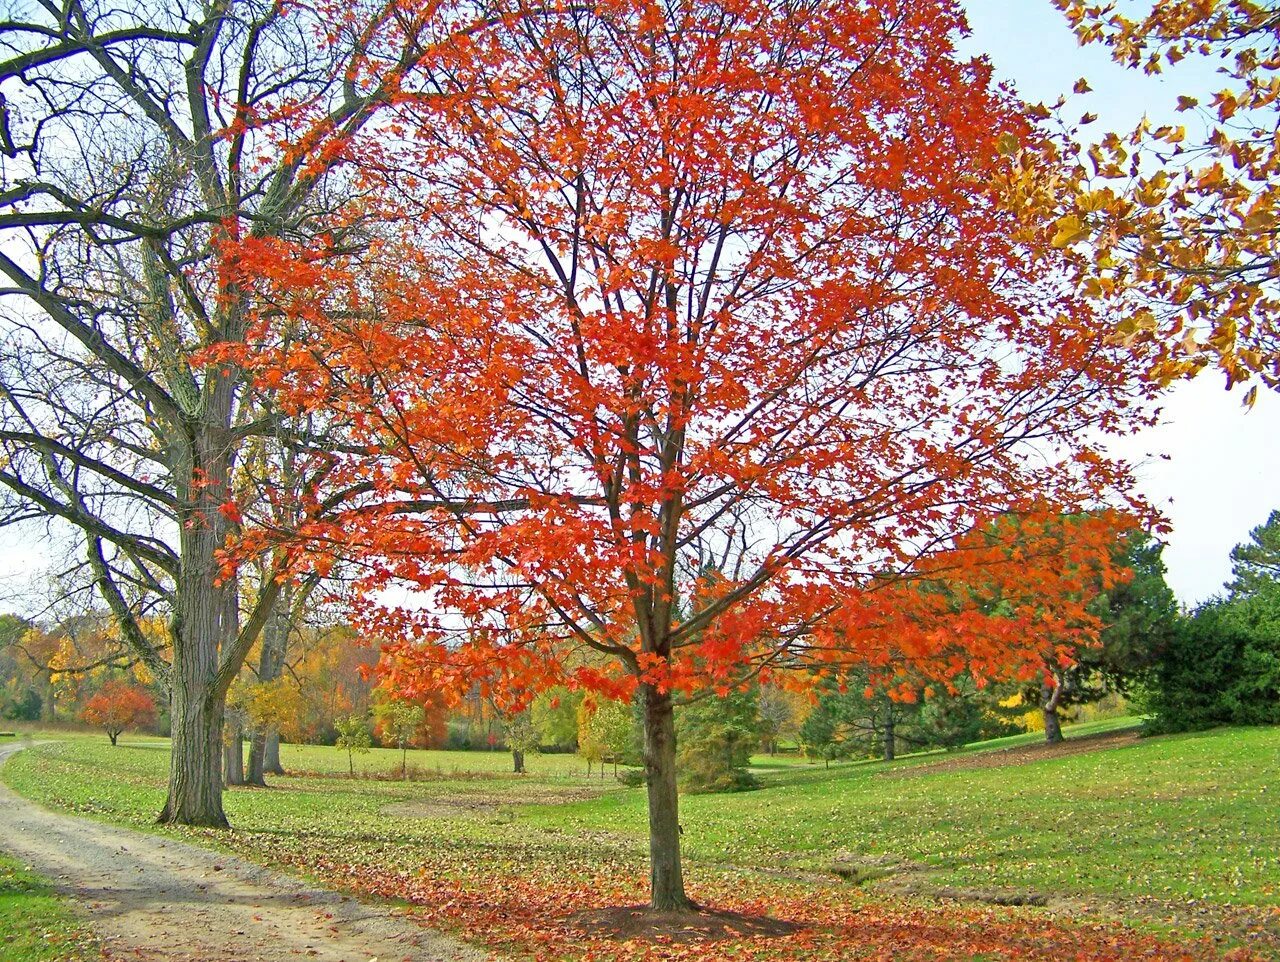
(1216, 665)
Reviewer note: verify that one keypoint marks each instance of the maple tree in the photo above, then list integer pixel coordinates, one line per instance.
(1052, 546)
(119, 706)
(690, 336)
(1184, 214)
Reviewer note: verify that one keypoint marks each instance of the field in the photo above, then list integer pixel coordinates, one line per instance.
(1168, 835)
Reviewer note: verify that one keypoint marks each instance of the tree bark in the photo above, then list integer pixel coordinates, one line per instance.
(195, 761)
(206, 618)
(256, 774)
(890, 747)
(517, 761)
(666, 878)
(272, 763)
(1049, 706)
(275, 641)
(233, 757)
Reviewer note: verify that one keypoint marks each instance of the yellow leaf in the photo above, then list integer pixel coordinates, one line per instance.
(1069, 230)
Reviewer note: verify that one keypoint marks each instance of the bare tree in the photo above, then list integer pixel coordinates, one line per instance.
(139, 139)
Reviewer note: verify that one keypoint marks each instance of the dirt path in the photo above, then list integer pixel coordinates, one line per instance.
(156, 899)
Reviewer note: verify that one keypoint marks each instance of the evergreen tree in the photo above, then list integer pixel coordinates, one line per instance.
(1256, 563)
(715, 737)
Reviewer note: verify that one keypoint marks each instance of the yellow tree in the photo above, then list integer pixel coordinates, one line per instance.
(1186, 216)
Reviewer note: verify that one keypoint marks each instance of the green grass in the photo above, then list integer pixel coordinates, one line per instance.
(1173, 818)
(35, 924)
(323, 759)
(1181, 817)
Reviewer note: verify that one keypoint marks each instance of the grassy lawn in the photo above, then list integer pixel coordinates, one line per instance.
(35, 924)
(1178, 820)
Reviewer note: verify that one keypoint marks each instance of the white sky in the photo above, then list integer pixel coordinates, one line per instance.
(1210, 466)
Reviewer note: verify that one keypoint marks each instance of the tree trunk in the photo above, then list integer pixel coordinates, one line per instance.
(275, 641)
(195, 761)
(257, 760)
(1049, 706)
(666, 879)
(49, 705)
(890, 748)
(233, 756)
(113, 736)
(517, 760)
(206, 617)
(272, 763)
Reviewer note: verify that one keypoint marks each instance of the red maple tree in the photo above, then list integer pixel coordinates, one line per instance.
(117, 707)
(685, 343)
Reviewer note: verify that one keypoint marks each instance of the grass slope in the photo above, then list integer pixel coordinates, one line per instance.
(1181, 820)
(1188, 817)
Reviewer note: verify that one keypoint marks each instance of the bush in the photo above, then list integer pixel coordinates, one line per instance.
(1221, 668)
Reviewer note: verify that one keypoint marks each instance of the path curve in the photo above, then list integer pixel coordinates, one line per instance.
(157, 899)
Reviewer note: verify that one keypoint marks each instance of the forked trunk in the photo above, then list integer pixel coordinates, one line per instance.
(233, 756)
(666, 879)
(272, 765)
(890, 746)
(195, 761)
(1049, 706)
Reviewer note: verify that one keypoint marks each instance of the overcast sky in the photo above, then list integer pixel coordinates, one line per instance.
(1211, 467)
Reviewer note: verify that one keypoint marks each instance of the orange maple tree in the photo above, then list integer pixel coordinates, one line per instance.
(117, 707)
(692, 336)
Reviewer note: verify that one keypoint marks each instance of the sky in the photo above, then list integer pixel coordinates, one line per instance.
(1210, 466)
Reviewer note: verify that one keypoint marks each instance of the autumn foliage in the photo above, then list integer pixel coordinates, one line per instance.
(1180, 219)
(117, 707)
(685, 343)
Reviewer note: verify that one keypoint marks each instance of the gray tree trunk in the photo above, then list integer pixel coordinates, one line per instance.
(256, 772)
(517, 761)
(206, 620)
(1049, 706)
(233, 757)
(195, 761)
(272, 763)
(890, 746)
(666, 878)
(275, 641)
